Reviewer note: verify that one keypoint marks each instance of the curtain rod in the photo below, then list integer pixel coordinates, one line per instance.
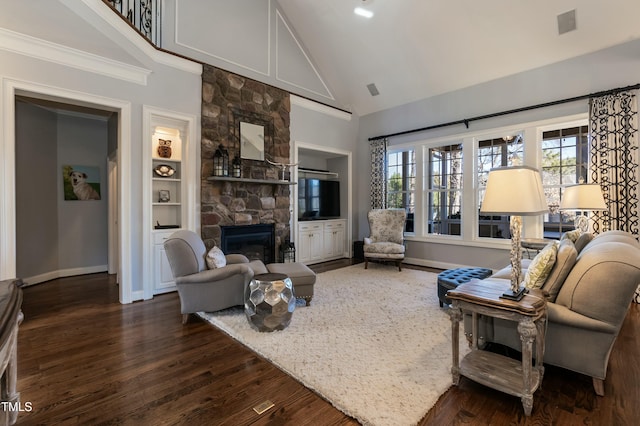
(466, 121)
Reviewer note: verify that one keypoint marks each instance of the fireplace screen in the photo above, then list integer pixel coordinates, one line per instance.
(257, 242)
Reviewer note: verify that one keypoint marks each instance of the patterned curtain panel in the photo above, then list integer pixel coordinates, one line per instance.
(379, 174)
(613, 126)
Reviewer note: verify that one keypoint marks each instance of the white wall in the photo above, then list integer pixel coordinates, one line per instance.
(616, 67)
(246, 37)
(36, 191)
(331, 130)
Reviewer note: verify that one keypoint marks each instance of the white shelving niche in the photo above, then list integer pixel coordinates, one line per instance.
(170, 199)
(166, 190)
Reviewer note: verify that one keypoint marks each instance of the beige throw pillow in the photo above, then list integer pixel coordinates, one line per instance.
(565, 259)
(572, 235)
(215, 258)
(540, 266)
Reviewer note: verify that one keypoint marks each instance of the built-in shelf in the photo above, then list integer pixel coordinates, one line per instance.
(247, 180)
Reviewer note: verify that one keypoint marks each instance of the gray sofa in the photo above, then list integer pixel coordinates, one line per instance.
(589, 291)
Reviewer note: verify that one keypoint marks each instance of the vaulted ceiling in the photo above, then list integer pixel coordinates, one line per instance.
(415, 49)
(410, 49)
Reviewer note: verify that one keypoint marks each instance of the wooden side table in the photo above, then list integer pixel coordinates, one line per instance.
(497, 371)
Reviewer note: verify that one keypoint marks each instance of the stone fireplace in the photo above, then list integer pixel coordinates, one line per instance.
(227, 100)
(257, 242)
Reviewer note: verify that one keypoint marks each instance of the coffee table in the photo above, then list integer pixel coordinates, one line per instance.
(490, 369)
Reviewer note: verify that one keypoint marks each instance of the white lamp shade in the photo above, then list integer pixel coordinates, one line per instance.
(586, 196)
(514, 191)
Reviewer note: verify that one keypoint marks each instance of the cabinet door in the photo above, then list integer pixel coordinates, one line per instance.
(316, 245)
(334, 239)
(338, 241)
(304, 246)
(310, 242)
(163, 281)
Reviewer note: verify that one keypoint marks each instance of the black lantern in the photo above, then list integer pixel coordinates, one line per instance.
(236, 167)
(288, 252)
(225, 161)
(221, 162)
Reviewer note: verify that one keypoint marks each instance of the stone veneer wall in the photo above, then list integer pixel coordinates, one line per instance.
(227, 99)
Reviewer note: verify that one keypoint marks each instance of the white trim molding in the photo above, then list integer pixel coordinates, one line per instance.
(318, 107)
(8, 90)
(36, 279)
(99, 14)
(56, 53)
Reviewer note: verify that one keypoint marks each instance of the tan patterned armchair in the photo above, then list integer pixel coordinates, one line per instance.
(386, 242)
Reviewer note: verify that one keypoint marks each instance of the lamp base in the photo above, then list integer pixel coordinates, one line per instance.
(516, 296)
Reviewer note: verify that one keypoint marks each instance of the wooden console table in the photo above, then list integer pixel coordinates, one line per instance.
(497, 371)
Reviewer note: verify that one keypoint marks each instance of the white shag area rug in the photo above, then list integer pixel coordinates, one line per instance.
(374, 342)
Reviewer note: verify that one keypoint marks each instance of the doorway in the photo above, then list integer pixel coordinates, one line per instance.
(54, 142)
(121, 125)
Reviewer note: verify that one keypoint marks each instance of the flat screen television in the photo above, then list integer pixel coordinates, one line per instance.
(318, 199)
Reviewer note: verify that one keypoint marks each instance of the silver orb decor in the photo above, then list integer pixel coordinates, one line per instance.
(269, 302)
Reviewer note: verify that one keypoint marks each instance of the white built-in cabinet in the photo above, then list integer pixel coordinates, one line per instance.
(321, 240)
(166, 189)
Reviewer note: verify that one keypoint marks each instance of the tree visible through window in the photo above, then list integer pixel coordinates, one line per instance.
(492, 153)
(445, 190)
(565, 160)
(401, 183)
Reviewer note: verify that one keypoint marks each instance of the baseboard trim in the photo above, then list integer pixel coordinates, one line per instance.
(61, 273)
(434, 264)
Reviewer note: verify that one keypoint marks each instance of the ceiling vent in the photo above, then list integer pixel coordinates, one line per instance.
(566, 22)
(373, 89)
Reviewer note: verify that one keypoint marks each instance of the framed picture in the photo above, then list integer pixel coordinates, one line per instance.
(164, 196)
(251, 141)
(81, 183)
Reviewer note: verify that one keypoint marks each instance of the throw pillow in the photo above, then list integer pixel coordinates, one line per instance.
(583, 240)
(540, 266)
(565, 259)
(572, 235)
(215, 258)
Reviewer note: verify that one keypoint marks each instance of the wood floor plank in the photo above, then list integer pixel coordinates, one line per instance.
(86, 359)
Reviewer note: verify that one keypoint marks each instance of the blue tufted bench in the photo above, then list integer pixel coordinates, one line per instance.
(452, 278)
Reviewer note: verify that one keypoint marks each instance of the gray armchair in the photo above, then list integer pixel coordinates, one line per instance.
(199, 288)
(386, 242)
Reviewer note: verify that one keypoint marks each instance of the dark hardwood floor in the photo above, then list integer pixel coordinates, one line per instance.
(86, 359)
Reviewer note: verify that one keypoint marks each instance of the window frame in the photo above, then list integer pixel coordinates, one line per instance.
(532, 156)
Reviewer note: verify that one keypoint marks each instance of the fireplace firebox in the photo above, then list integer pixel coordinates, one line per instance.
(257, 242)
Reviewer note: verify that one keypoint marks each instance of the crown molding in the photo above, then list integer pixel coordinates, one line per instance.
(51, 52)
(318, 107)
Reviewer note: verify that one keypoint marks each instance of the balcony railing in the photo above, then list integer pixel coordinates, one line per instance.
(144, 15)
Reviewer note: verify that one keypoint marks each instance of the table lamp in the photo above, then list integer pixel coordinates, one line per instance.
(514, 191)
(583, 197)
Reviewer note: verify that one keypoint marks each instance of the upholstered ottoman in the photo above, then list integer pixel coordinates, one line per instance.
(452, 278)
(302, 277)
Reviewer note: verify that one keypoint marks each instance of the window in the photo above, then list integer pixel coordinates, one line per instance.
(401, 183)
(444, 199)
(499, 152)
(565, 161)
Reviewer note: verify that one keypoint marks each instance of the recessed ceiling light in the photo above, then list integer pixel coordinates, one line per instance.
(363, 12)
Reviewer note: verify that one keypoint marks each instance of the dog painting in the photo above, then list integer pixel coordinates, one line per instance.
(81, 183)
